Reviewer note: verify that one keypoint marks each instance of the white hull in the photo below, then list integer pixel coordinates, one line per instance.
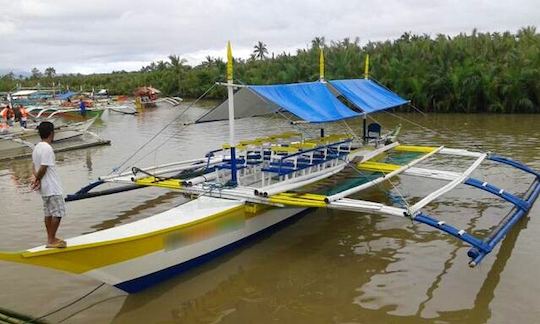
(132, 275)
(137, 255)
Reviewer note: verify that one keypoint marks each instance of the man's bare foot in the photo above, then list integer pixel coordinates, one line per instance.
(56, 244)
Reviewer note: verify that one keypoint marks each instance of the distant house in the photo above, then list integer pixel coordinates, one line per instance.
(145, 97)
(149, 92)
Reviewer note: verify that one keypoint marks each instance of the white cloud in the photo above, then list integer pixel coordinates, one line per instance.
(101, 35)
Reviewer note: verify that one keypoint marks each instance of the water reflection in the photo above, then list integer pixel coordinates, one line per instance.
(287, 276)
(89, 162)
(328, 266)
(20, 173)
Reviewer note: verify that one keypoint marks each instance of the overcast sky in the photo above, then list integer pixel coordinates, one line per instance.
(105, 35)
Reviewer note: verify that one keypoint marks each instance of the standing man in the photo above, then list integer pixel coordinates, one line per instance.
(8, 115)
(23, 116)
(47, 181)
(82, 108)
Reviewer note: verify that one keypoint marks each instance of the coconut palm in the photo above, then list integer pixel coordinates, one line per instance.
(260, 50)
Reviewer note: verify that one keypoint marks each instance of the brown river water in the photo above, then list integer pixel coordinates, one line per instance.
(326, 267)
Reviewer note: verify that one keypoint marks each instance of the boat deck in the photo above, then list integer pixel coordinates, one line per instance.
(183, 215)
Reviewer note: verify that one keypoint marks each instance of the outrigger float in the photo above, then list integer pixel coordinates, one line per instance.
(19, 142)
(246, 187)
(75, 113)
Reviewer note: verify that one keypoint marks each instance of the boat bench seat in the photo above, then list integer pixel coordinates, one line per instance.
(329, 155)
(240, 164)
(280, 170)
(287, 167)
(238, 161)
(290, 164)
(253, 162)
(227, 166)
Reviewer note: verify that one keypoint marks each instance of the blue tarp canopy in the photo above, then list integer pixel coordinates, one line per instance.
(314, 102)
(66, 95)
(310, 101)
(367, 95)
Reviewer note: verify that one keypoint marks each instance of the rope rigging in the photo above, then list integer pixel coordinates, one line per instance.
(37, 319)
(117, 169)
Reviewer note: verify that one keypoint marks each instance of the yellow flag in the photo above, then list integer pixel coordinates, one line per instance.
(366, 67)
(229, 62)
(321, 64)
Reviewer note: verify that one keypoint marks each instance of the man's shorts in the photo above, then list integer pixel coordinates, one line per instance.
(54, 206)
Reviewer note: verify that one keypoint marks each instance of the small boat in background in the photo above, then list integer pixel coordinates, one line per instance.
(75, 113)
(17, 142)
(146, 97)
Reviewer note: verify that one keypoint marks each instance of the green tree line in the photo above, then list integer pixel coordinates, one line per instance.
(477, 72)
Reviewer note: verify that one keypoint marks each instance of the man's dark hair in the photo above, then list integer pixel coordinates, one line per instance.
(45, 129)
(18, 114)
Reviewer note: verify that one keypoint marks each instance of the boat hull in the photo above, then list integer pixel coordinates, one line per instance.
(161, 266)
(76, 115)
(135, 256)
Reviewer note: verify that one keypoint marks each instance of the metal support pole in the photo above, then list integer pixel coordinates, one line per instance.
(364, 123)
(234, 171)
(230, 97)
(234, 179)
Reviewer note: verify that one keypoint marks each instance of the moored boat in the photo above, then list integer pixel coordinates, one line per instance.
(146, 97)
(246, 187)
(19, 142)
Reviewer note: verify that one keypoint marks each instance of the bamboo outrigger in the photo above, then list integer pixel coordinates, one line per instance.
(19, 142)
(246, 187)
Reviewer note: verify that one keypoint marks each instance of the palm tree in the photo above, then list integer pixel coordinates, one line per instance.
(208, 61)
(260, 50)
(176, 62)
(318, 42)
(50, 72)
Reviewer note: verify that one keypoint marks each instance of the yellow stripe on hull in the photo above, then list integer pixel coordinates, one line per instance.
(86, 257)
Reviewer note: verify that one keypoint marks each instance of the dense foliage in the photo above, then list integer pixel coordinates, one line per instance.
(480, 72)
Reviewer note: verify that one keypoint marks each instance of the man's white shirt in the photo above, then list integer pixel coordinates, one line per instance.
(43, 154)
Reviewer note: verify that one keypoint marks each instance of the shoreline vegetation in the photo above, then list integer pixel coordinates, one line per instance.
(471, 73)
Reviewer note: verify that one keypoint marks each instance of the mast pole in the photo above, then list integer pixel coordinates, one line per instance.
(364, 117)
(321, 75)
(366, 67)
(321, 65)
(230, 97)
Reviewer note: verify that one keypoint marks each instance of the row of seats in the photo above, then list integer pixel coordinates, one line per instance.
(284, 157)
(312, 154)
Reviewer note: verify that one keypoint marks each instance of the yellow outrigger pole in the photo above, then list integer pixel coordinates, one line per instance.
(230, 95)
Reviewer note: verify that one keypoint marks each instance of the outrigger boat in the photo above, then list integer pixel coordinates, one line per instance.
(71, 113)
(75, 113)
(249, 186)
(146, 97)
(19, 142)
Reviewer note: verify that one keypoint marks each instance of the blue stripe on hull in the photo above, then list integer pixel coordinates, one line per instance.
(141, 283)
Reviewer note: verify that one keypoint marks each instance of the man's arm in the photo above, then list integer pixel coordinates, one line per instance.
(41, 172)
(36, 182)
